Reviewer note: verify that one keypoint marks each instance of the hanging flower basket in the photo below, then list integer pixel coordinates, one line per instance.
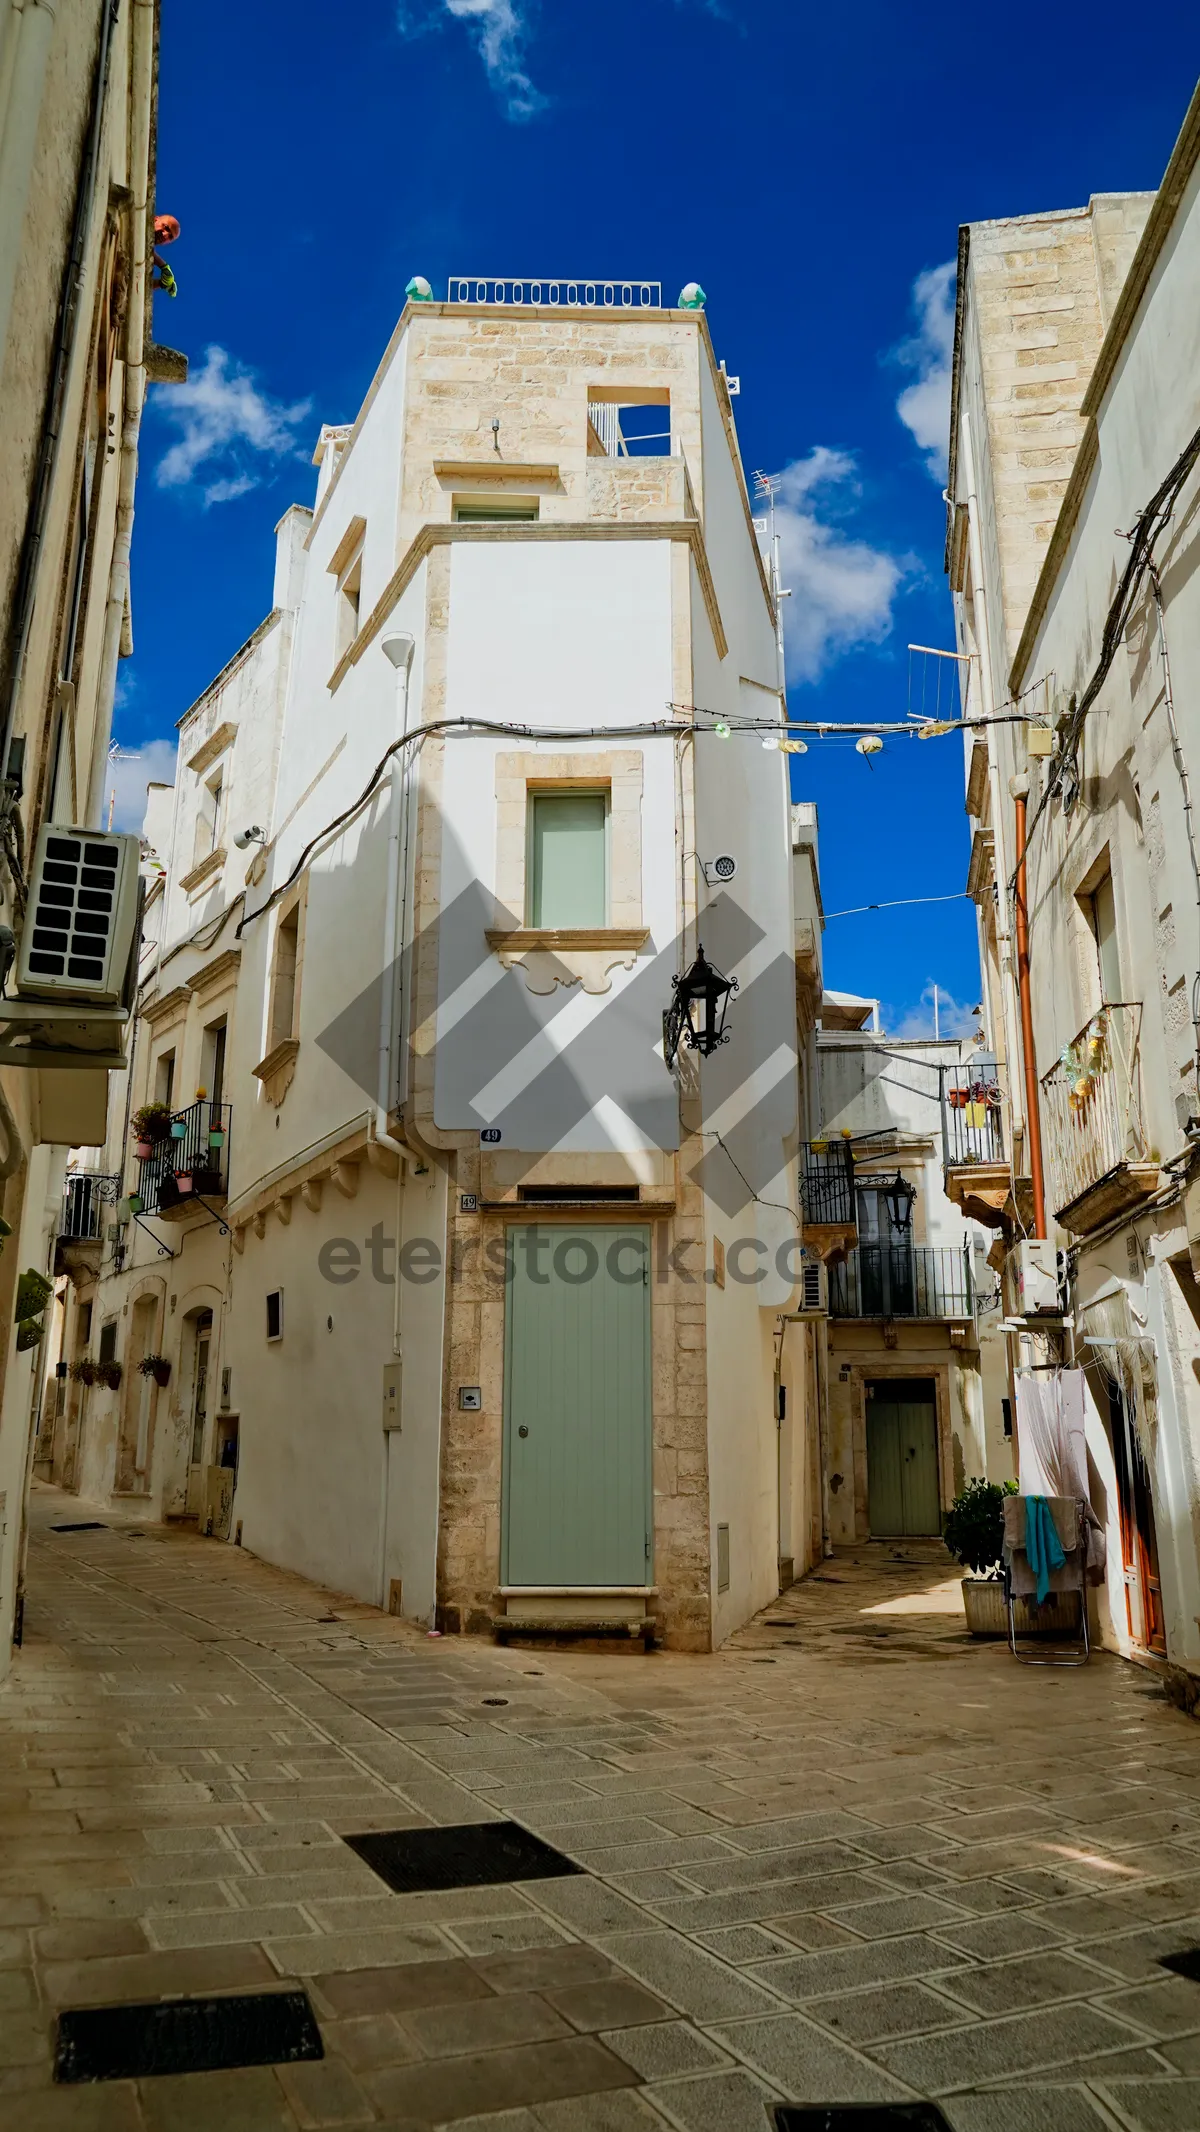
(156, 1366)
(109, 1374)
(178, 1129)
(150, 1124)
(84, 1372)
(216, 1137)
(143, 1149)
(183, 1181)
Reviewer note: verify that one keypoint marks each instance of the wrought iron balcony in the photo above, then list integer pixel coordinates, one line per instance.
(86, 1193)
(1100, 1158)
(975, 1145)
(903, 1280)
(191, 1167)
(827, 1190)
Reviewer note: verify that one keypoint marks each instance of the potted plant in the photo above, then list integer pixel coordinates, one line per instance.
(156, 1366)
(974, 1533)
(149, 1126)
(109, 1374)
(84, 1372)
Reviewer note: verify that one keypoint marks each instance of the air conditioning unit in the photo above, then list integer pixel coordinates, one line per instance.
(814, 1287)
(81, 921)
(1037, 1273)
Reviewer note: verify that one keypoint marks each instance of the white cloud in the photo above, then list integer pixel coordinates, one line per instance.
(841, 589)
(128, 776)
(953, 1018)
(500, 30)
(229, 428)
(924, 406)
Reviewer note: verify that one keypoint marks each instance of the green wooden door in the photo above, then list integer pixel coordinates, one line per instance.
(576, 1484)
(902, 1462)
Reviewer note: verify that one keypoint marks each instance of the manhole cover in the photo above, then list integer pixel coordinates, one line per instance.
(478, 1854)
(93, 1525)
(1184, 1964)
(185, 2036)
(862, 2117)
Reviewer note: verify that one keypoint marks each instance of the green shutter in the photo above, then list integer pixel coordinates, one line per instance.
(569, 859)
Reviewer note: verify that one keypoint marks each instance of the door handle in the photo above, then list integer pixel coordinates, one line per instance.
(522, 1431)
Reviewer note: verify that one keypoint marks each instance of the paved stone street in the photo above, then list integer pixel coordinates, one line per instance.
(852, 1857)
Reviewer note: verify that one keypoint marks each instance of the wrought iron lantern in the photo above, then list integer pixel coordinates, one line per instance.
(696, 1015)
(899, 1199)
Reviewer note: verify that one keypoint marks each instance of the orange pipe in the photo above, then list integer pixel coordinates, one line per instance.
(1032, 1112)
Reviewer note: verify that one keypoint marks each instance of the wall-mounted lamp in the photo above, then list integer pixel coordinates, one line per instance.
(696, 1015)
(252, 835)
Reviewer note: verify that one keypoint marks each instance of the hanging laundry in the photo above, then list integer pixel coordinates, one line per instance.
(1042, 1544)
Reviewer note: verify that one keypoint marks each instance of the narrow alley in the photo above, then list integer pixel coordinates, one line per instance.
(893, 1865)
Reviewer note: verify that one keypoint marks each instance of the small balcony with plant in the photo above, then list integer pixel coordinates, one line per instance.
(976, 1140)
(827, 1196)
(88, 1205)
(182, 1158)
(1100, 1159)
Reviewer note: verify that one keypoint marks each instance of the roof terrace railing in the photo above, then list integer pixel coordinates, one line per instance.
(577, 294)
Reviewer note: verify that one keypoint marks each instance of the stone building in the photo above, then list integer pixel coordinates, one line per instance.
(1072, 512)
(485, 1310)
(78, 87)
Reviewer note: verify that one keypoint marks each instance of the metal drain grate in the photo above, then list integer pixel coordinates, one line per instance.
(185, 2036)
(1184, 1964)
(862, 2117)
(477, 1854)
(93, 1525)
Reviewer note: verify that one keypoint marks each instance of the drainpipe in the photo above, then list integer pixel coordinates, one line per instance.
(1019, 788)
(141, 73)
(988, 707)
(398, 647)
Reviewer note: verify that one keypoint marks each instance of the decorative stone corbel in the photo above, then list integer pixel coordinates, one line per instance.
(344, 1178)
(260, 1223)
(311, 1192)
(277, 1070)
(568, 956)
(239, 1238)
(283, 1208)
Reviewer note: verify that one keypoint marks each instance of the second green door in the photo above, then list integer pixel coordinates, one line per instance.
(902, 1460)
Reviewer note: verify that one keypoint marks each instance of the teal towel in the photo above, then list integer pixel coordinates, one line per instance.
(1042, 1544)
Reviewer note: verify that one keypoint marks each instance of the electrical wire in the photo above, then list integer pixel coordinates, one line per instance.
(901, 902)
(1149, 524)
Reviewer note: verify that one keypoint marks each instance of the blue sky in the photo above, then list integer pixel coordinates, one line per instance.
(810, 166)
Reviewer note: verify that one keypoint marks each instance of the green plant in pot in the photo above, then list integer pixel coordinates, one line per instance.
(150, 1126)
(973, 1530)
(156, 1366)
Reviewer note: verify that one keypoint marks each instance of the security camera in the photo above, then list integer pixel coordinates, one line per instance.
(253, 835)
(722, 868)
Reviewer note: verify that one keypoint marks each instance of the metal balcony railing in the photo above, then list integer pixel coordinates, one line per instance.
(1092, 1102)
(193, 1163)
(973, 1106)
(902, 1280)
(827, 1183)
(86, 1193)
(555, 291)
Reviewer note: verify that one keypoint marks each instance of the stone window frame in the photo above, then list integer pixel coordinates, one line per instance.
(277, 1070)
(578, 954)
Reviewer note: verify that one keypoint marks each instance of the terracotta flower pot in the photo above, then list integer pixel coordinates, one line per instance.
(143, 1149)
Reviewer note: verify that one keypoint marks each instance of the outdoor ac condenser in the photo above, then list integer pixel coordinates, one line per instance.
(81, 917)
(1037, 1276)
(814, 1287)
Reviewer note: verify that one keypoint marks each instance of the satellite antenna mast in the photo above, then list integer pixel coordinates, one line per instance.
(768, 485)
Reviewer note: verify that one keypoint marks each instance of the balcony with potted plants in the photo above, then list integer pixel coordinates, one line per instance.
(1101, 1161)
(976, 1150)
(827, 1196)
(182, 1159)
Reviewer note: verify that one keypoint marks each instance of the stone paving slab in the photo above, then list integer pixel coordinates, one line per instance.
(803, 1881)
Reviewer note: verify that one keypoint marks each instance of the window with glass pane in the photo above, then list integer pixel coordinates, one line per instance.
(568, 872)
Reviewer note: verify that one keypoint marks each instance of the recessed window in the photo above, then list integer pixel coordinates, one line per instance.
(568, 859)
(349, 598)
(483, 510)
(1100, 910)
(164, 1078)
(275, 1314)
(212, 1061)
(209, 818)
(108, 1341)
(285, 975)
(722, 1558)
